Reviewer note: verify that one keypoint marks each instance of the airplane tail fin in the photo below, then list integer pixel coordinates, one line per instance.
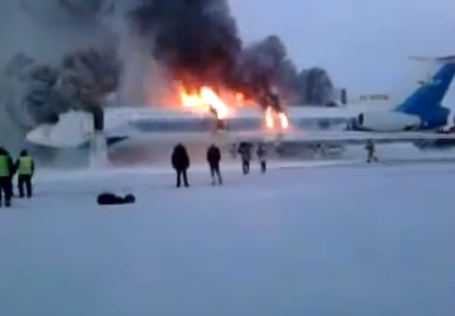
(430, 92)
(73, 129)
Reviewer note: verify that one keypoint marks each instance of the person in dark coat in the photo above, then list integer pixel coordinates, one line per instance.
(245, 152)
(6, 174)
(181, 163)
(371, 152)
(262, 153)
(213, 159)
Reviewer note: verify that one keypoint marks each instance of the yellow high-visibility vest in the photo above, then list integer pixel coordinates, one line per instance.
(4, 166)
(25, 166)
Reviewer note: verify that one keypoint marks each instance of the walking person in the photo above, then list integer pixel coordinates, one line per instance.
(371, 152)
(214, 159)
(262, 153)
(245, 154)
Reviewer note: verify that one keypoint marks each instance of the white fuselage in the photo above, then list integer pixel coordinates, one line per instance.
(387, 121)
(141, 121)
(162, 125)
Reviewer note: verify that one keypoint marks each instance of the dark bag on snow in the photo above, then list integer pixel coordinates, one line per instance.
(113, 199)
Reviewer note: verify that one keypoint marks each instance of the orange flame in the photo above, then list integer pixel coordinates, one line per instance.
(207, 100)
(270, 116)
(240, 98)
(191, 100)
(204, 100)
(284, 120)
(211, 98)
(269, 121)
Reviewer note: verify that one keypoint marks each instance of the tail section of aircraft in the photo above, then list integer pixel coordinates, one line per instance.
(425, 101)
(72, 129)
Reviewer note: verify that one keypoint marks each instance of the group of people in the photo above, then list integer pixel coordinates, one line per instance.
(181, 162)
(245, 149)
(24, 167)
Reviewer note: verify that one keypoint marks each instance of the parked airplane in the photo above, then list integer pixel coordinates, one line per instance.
(415, 118)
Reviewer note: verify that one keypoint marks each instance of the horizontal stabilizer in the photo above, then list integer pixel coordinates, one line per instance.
(380, 137)
(343, 137)
(73, 129)
(443, 59)
(307, 137)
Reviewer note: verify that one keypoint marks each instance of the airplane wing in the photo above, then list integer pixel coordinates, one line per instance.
(308, 138)
(342, 137)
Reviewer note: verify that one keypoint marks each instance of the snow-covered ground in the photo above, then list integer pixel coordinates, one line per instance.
(345, 240)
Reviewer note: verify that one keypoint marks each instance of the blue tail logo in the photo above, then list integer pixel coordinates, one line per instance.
(425, 102)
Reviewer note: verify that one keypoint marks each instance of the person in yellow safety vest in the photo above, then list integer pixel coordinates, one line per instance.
(6, 172)
(25, 168)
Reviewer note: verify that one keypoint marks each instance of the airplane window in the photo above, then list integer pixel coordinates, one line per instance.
(306, 123)
(172, 126)
(324, 124)
(203, 125)
(242, 124)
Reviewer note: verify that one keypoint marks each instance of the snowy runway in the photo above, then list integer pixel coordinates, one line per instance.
(322, 241)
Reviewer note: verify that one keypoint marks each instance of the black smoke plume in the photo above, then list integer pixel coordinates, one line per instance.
(198, 42)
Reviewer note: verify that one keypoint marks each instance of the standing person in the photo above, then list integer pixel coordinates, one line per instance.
(245, 153)
(6, 173)
(213, 159)
(261, 153)
(181, 162)
(233, 151)
(25, 167)
(370, 148)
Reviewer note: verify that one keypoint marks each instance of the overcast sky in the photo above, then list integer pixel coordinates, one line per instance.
(364, 44)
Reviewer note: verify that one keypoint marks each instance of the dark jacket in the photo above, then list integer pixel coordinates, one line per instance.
(245, 151)
(213, 155)
(261, 152)
(370, 146)
(180, 159)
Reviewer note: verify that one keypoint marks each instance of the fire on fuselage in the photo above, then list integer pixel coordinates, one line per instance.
(270, 100)
(271, 116)
(220, 121)
(207, 100)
